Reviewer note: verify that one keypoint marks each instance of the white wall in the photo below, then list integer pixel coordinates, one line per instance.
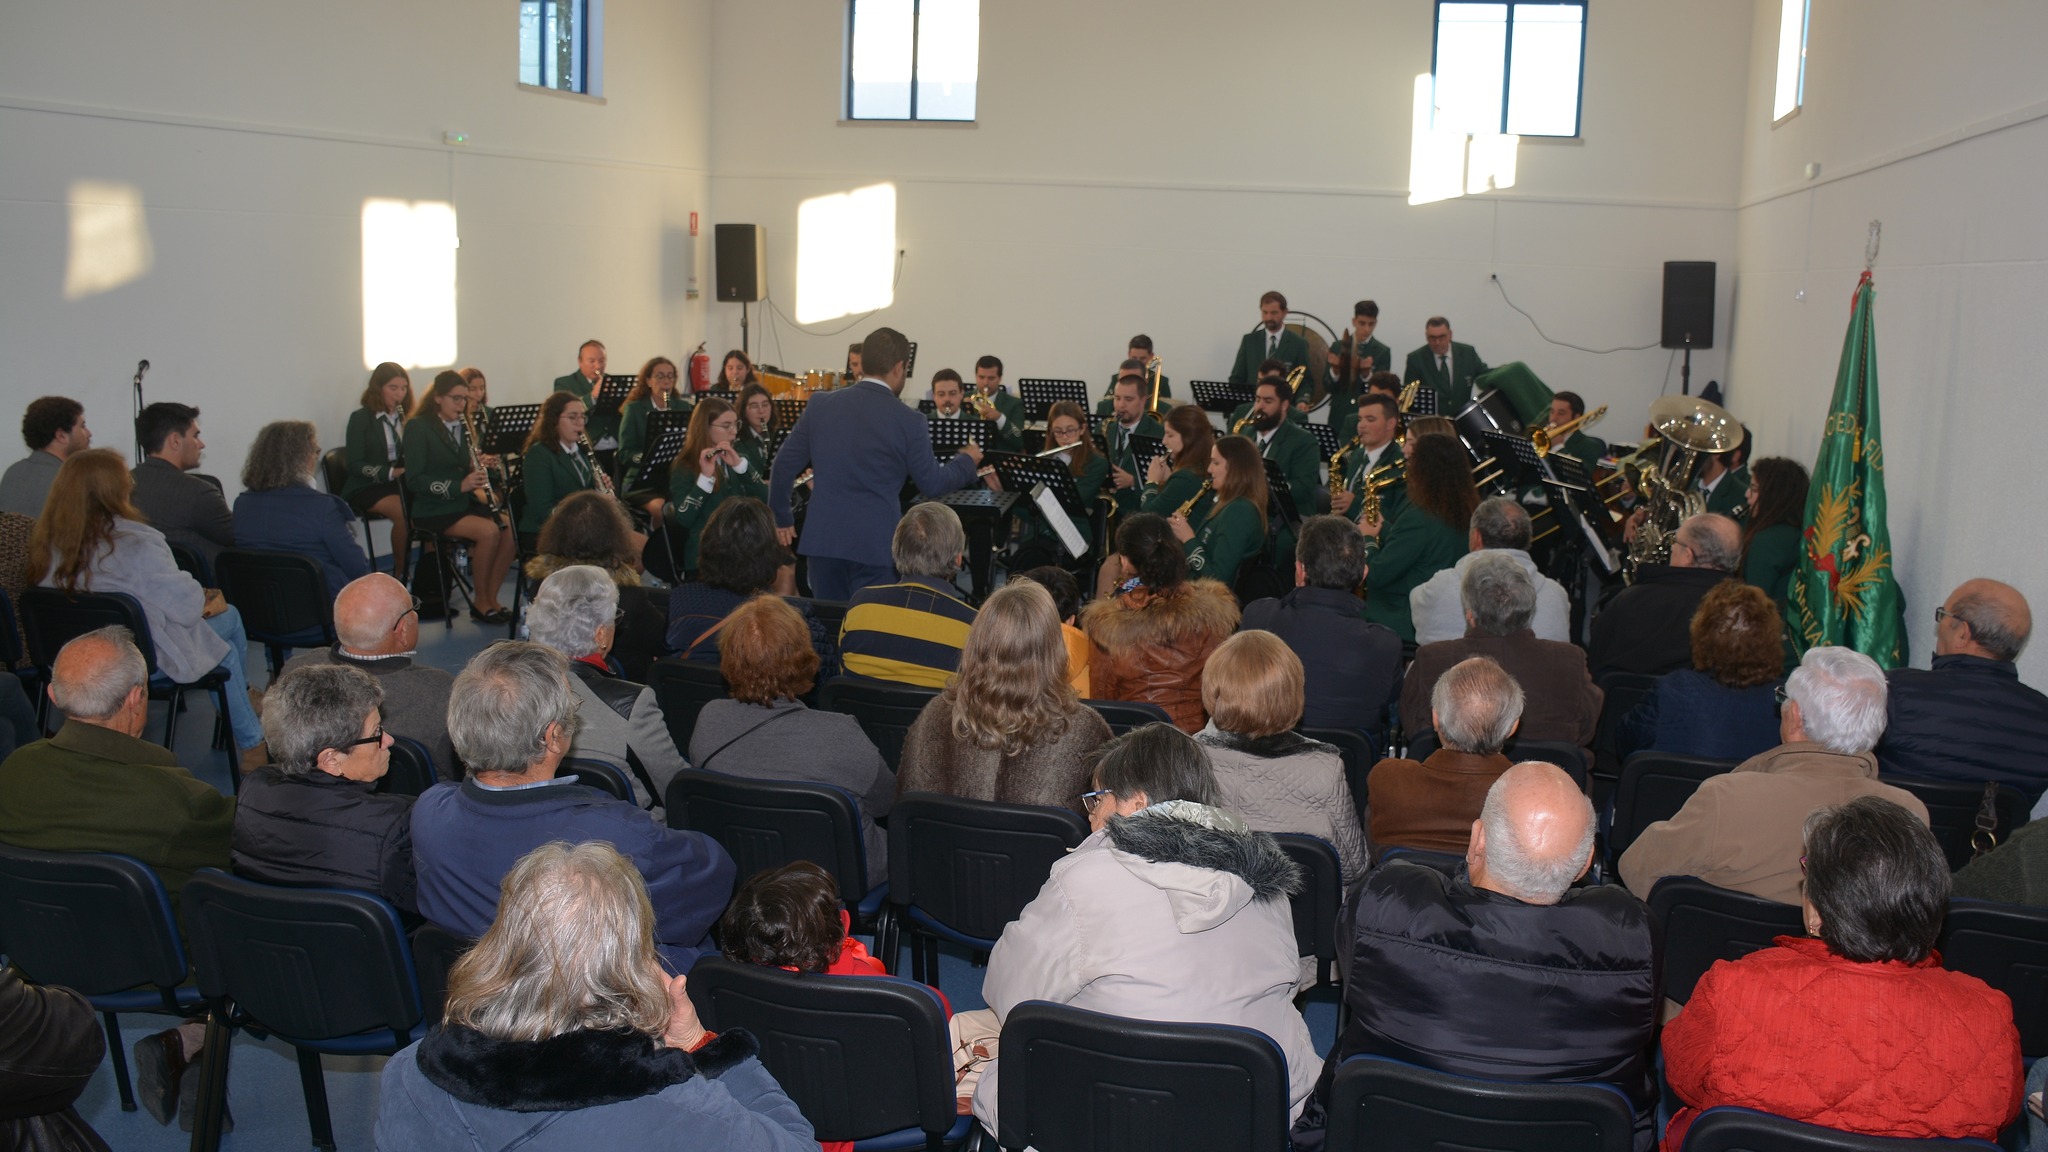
(254, 132)
(1154, 167)
(1939, 128)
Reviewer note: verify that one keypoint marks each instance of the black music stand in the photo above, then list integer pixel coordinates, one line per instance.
(511, 424)
(926, 406)
(1280, 502)
(1516, 456)
(661, 455)
(1424, 403)
(1143, 450)
(611, 393)
(949, 436)
(1041, 393)
(910, 361)
(1326, 440)
(726, 394)
(1219, 395)
(1049, 485)
(788, 411)
(658, 423)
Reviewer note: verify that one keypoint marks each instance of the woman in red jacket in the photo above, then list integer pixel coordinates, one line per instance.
(1861, 1029)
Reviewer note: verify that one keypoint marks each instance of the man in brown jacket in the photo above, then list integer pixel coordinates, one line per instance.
(1744, 830)
(1431, 804)
(1560, 700)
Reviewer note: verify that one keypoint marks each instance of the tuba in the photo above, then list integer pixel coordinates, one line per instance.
(1691, 430)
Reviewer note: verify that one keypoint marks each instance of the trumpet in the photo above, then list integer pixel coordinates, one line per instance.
(983, 406)
(476, 464)
(1546, 440)
(1189, 506)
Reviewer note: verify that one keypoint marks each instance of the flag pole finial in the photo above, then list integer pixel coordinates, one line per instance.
(1870, 245)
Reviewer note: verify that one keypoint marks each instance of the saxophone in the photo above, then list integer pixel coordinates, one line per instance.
(1373, 481)
(1189, 506)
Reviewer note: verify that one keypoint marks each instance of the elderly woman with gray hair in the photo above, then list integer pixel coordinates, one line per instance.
(563, 1031)
(280, 510)
(576, 612)
(313, 816)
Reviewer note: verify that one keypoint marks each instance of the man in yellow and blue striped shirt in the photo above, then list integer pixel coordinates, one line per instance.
(912, 631)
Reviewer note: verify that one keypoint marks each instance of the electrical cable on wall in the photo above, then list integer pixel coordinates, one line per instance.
(894, 281)
(1502, 288)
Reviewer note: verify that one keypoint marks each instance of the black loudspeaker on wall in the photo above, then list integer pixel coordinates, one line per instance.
(1688, 301)
(742, 265)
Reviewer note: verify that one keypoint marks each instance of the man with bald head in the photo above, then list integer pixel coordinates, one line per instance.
(1647, 629)
(377, 626)
(1968, 718)
(1500, 969)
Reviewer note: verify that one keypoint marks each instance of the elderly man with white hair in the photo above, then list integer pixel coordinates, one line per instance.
(576, 612)
(377, 629)
(1500, 528)
(1743, 830)
(1501, 970)
(1430, 804)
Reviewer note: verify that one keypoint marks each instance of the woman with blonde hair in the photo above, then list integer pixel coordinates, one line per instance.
(281, 511)
(1274, 777)
(1008, 727)
(562, 1031)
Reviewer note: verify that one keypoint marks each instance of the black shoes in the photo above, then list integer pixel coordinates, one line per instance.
(160, 1065)
(494, 616)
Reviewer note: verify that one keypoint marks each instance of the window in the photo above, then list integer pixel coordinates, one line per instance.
(1510, 68)
(1791, 59)
(912, 59)
(559, 45)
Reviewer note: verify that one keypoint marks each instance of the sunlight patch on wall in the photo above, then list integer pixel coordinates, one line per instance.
(409, 250)
(110, 243)
(845, 253)
(1444, 164)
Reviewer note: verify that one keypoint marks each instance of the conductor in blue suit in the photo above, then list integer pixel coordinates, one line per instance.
(862, 444)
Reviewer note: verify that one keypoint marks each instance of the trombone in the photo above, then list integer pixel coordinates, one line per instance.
(1546, 440)
(1153, 367)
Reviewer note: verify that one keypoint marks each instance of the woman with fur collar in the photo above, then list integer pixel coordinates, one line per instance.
(563, 1032)
(1173, 910)
(1149, 641)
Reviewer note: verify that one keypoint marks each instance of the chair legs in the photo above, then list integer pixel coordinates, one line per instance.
(212, 1100)
(315, 1085)
(119, 1055)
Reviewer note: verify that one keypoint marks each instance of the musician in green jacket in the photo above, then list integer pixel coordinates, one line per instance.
(1374, 446)
(584, 383)
(1177, 473)
(1566, 407)
(1066, 426)
(1427, 533)
(1345, 381)
(654, 391)
(1287, 443)
(1444, 366)
(1136, 356)
(446, 486)
(757, 423)
(555, 466)
(709, 471)
(1271, 340)
(1128, 418)
(373, 454)
(1771, 537)
(992, 403)
(1234, 529)
(1724, 481)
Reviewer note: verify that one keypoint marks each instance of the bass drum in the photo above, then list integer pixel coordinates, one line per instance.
(1491, 412)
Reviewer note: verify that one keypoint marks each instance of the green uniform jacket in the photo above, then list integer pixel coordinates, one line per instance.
(1105, 407)
(1416, 546)
(1009, 437)
(92, 789)
(1354, 471)
(369, 459)
(1344, 394)
(1166, 499)
(602, 424)
(1120, 456)
(1087, 485)
(1229, 536)
(633, 428)
(689, 506)
(756, 452)
(1245, 409)
(435, 466)
(1453, 394)
(1251, 352)
(1294, 449)
(1731, 496)
(1773, 554)
(550, 474)
(1585, 449)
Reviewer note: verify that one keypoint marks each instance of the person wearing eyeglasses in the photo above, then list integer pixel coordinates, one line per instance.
(1647, 629)
(377, 629)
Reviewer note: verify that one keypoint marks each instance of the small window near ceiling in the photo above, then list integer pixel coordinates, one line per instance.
(560, 45)
(1509, 68)
(912, 59)
(1791, 59)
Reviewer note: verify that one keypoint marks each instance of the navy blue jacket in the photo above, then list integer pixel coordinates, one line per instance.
(306, 520)
(864, 444)
(465, 838)
(1968, 719)
(1351, 666)
(1693, 714)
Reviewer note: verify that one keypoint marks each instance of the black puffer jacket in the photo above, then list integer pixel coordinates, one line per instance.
(1647, 629)
(314, 829)
(1967, 719)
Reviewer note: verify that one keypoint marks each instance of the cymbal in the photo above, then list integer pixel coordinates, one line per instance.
(1693, 423)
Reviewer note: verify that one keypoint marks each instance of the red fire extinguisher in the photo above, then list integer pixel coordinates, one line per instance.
(700, 370)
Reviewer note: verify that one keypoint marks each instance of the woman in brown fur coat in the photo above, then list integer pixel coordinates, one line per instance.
(1150, 640)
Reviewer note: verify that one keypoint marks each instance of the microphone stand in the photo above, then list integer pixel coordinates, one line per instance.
(140, 368)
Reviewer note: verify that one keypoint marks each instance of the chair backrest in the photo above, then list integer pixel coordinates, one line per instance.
(51, 618)
(1728, 1129)
(309, 964)
(832, 614)
(885, 711)
(191, 563)
(768, 823)
(1360, 752)
(434, 952)
(1654, 786)
(2006, 946)
(1952, 812)
(1124, 715)
(602, 775)
(1447, 863)
(860, 1057)
(1564, 754)
(683, 688)
(12, 652)
(411, 771)
(971, 866)
(1077, 1081)
(334, 469)
(1624, 691)
(96, 922)
(1322, 890)
(281, 595)
(1700, 924)
(1391, 1106)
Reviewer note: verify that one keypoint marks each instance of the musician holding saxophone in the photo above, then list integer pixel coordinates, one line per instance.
(1373, 448)
(1235, 528)
(452, 493)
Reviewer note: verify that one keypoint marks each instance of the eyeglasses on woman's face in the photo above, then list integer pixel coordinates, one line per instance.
(1090, 801)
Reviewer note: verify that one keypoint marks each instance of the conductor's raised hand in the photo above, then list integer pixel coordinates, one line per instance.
(972, 451)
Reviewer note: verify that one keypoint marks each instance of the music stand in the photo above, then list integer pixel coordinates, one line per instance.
(1041, 393)
(1326, 440)
(949, 436)
(511, 424)
(1424, 403)
(1219, 395)
(726, 394)
(1021, 473)
(926, 406)
(910, 361)
(661, 455)
(660, 422)
(611, 393)
(787, 412)
(1280, 499)
(1523, 465)
(1143, 450)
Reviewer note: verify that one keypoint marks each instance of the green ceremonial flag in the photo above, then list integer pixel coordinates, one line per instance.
(1844, 592)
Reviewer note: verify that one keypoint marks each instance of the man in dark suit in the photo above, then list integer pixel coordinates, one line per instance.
(1445, 366)
(186, 509)
(1270, 340)
(583, 383)
(862, 445)
(1352, 666)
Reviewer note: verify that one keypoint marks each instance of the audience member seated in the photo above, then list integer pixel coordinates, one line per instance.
(1968, 718)
(1741, 829)
(313, 817)
(764, 731)
(563, 1032)
(1424, 533)
(1861, 1029)
(512, 717)
(738, 558)
(1431, 804)
(1274, 777)
(591, 528)
(53, 427)
(280, 510)
(912, 631)
(1725, 706)
(1647, 629)
(1504, 971)
(1009, 728)
(1352, 666)
(1559, 699)
(189, 511)
(1500, 527)
(377, 626)
(1066, 599)
(1151, 639)
(2015, 872)
(90, 538)
(791, 918)
(50, 1047)
(576, 612)
(1168, 885)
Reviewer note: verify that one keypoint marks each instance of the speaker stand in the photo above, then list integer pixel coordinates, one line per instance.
(749, 353)
(1684, 369)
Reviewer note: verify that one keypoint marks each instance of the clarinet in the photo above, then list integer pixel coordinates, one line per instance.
(476, 464)
(603, 478)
